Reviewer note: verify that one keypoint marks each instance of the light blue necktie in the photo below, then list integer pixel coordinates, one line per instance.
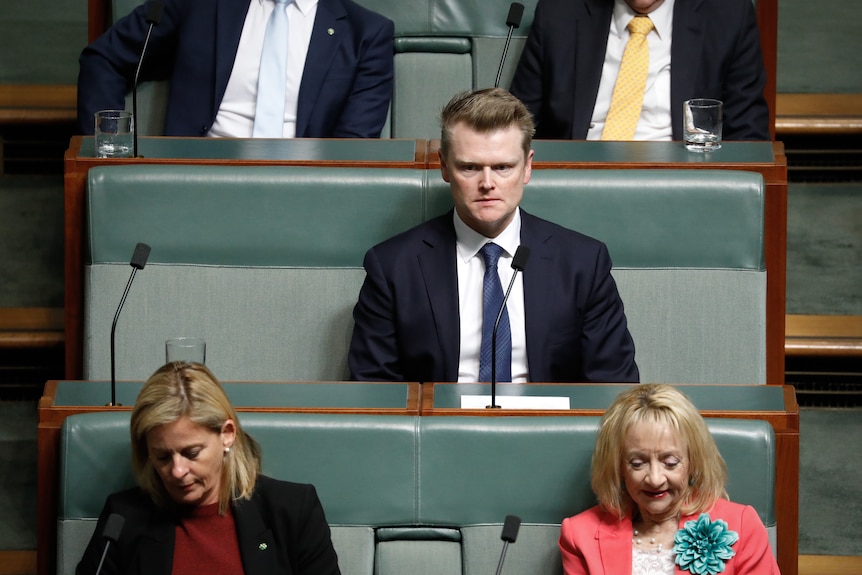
(271, 83)
(493, 299)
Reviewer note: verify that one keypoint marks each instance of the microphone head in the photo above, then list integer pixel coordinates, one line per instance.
(519, 260)
(139, 258)
(155, 9)
(114, 526)
(516, 12)
(510, 528)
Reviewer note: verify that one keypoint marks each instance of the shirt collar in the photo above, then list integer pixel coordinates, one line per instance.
(469, 241)
(303, 5)
(662, 18)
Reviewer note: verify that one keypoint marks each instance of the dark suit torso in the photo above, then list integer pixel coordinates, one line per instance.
(715, 53)
(407, 318)
(346, 85)
(286, 517)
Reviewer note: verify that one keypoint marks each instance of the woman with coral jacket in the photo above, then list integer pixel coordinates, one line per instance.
(663, 509)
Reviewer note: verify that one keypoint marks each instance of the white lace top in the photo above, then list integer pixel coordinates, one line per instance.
(652, 563)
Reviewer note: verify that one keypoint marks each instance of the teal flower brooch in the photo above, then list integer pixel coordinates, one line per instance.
(703, 546)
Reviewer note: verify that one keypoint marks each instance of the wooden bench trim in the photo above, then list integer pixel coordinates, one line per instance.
(38, 103)
(18, 562)
(818, 114)
(823, 335)
(32, 327)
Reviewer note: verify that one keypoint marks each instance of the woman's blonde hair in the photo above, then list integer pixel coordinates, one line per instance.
(666, 405)
(180, 389)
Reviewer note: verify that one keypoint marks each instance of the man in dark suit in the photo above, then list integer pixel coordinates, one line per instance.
(698, 49)
(345, 87)
(420, 311)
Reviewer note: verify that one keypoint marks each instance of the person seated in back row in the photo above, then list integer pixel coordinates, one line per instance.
(569, 68)
(337, 81)
(432, 294)
(202, 504)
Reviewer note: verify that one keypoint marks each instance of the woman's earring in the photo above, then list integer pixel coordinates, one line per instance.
(227, 449)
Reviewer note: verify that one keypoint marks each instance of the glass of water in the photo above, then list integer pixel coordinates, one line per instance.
(114, 134)
(192, 349)
(702, 119)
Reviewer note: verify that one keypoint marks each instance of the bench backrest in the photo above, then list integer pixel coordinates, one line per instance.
(403, 492)
(265, 262)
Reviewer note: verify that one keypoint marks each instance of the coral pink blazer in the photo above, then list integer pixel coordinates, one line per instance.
(595, 542)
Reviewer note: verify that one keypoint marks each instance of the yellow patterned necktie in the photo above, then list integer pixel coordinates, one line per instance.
(628, 96)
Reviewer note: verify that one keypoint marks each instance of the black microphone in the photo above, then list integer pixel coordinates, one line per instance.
(113, 528)
(513, 20)
(510, 533)
(139, 260)
(154, 16)
(519, 262)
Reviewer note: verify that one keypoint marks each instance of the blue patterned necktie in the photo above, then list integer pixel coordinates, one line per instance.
(272, 79)
(493, 299)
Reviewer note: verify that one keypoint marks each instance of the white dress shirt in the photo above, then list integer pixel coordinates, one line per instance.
(235, 118)
(471, 274)
(655, 120)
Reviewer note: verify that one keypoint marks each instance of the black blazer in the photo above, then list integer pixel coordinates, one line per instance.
(287, 517)
(715, 53)
(406, 319)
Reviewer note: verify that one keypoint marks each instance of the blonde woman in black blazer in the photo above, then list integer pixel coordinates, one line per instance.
(202, 505)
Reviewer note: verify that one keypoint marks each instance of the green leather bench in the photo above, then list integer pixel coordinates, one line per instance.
(412, 494)
(265, 262)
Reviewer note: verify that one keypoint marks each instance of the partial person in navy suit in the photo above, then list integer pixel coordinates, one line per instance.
(419, 314)
(210, 51)
(698, 49)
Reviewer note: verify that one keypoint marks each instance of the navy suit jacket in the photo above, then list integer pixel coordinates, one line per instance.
(287, 517)
(407, 319)
(346, 85)
(715, 53)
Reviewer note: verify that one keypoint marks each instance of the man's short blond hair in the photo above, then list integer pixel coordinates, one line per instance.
(485, 111)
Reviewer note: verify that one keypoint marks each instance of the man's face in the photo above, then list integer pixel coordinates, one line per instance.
(644, 6)
(487, 173)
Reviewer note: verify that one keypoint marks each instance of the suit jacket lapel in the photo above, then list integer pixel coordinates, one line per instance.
(436, 258)
(615, 544)
(256, 542)
(229, 22)
(591, 35)
(537, 292)
(326, 36)
(156, 552)
(685, 51)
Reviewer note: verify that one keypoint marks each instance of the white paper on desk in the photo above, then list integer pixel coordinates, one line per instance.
(515, 402)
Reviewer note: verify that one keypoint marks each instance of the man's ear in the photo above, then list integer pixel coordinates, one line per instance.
(528, 167)
(444, 169)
